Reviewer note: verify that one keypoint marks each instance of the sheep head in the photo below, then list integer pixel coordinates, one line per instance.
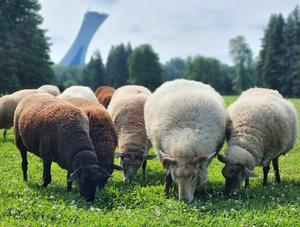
(87, 178)
(131, 162)
(187, 172)
(234, 174)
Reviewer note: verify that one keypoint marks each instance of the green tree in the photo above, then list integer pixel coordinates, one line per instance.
(24, 49)
(144, 67)
(66, 76)
(206, 70)
(291, 85)
(210, 71)
(271, 64)
(241, 56)
(174, 68)
(116, 66)
(94, 74)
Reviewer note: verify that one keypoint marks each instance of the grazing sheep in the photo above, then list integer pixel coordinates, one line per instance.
(262, 126)
(185, 121)
(104, 94)
(58, 131)
(78, 92)
(102, 134)
(50, 89)
(8, 104)
(127, 111)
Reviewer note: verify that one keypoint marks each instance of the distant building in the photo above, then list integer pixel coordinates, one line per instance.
(76, 54)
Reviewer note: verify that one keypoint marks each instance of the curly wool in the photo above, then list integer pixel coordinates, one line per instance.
(54, 130)
(8, 105)
(101, 131)
(50, 89)
(104, 95)
(78, 92)
(263, 125)
(185, 119)
(127, 111)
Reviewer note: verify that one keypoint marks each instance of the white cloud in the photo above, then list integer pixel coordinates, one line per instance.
(173, 27)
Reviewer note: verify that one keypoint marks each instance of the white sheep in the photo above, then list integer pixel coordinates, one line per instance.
(127, 111)
(78, 92)
(262, 126)
(50, 89)
(185, 121)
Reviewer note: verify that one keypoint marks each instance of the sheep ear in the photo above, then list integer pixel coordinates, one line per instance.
(168, 161)
(211, 156)
(149, 157)
(116, 167)
(222, 158)
(101, 170)
(75, 175)
(248, 173)
(119, 154)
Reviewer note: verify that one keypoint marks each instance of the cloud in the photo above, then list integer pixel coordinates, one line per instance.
(106, 2)
(134, 29)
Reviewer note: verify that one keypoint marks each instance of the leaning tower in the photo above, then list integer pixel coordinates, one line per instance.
(77, 52)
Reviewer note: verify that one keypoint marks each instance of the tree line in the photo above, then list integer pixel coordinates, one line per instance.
(24, 48)
(25, 62)
(279, 59)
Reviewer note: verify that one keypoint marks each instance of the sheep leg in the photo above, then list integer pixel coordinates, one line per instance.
(24, 163)
(4, 134)
(46, 172)
(266, 172)
(168, 182)
(276, 170)
(144, 169)
(247, 184)
(69, 184)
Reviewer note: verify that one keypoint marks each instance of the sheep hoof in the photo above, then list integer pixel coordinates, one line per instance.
(44, 185)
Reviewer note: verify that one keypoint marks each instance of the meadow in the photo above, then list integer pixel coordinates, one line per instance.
(142, 203)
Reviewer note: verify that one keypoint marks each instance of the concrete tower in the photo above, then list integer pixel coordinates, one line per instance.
(76, 54)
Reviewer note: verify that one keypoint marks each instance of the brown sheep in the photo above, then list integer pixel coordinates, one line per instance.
(102, 133)
(58, 131)
(104, 94)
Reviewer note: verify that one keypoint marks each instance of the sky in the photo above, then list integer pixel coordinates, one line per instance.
(174, 28)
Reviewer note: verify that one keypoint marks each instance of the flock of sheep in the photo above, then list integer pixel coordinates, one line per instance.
(185, 121)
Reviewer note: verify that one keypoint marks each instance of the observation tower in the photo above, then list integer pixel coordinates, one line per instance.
(77, 52)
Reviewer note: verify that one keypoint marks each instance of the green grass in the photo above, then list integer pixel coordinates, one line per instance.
(143, 203)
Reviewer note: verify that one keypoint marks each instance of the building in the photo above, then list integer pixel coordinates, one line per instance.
(77, 52)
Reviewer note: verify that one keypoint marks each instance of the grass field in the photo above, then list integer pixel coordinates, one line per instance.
(143, 203)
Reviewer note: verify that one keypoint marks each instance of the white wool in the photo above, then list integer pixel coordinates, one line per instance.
(264, 124)
(185, 118)
(51, 89)
(127, 112)
(238, 155)
(78, 92)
